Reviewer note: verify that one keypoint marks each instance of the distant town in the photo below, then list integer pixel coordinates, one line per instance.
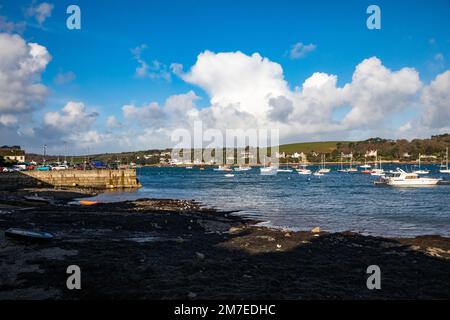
(14, 158)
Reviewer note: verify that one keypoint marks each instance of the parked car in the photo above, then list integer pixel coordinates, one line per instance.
(43, 168)
(60, 167)
(98, 164)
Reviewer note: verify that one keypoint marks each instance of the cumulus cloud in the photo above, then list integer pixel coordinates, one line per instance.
(40, 11)
(236, 79)
(300, 50)
(73, 117)
(377, 92)
(21, 65)
(113, 123)
(435, 100)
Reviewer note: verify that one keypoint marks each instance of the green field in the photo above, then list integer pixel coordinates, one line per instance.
(308, 147)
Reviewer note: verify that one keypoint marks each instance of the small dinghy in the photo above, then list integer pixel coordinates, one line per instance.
(28, 234)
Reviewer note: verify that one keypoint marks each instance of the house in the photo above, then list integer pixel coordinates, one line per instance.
(13, 153)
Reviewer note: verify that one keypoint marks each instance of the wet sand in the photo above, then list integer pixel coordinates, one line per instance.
(173, 249)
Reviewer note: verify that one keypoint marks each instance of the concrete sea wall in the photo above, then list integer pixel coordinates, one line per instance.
(101, 179)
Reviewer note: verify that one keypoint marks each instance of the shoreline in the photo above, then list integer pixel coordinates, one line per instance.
(178, 249)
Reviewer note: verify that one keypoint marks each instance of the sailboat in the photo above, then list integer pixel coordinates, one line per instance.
(445, 169)
(302, 170)
(223, 168)
(365, 165)
(323, 169)
(349, 169)
(378, 171)
(421, 171)
(286, 169)
(268, 171)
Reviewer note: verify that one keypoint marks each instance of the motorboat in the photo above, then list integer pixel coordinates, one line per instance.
(403, 178)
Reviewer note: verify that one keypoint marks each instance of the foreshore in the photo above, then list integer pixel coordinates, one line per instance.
(174, 249)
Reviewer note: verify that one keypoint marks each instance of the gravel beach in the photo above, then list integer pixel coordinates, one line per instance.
(173, 249)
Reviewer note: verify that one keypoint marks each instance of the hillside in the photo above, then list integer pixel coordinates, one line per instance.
(309, 147)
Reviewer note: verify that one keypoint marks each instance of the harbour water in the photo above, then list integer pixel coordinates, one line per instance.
(335, 201)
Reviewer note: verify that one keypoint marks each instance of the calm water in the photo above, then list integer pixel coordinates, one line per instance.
(335, 202)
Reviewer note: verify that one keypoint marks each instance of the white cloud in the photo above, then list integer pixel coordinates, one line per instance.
(376, 93)
(40, 11)
(235, 79)
(21, 65)
(113, 123)
(300, 50)
(435, 100)
(73, 117)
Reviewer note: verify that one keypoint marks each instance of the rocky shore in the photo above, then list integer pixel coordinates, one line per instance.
(173, 249)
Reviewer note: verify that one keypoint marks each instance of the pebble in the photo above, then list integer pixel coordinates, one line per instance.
(315, 230)
(200, 255)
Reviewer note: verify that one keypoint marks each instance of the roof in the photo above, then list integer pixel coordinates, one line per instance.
(11, 152)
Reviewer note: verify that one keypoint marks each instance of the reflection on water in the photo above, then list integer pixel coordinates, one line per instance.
(335, 202)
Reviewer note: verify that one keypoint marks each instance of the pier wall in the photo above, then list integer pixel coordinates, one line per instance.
(101, 179)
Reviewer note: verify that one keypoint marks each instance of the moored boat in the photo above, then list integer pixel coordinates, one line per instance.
(402, 178)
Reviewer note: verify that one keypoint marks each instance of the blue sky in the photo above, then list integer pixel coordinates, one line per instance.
(414, 34)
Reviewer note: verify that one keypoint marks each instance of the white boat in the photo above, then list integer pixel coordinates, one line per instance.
(242, 168)
(365, 165)
(420, 171)
(284, 170)
(378, 171)
(229, 175)
(445, 169)
(323, 169)
(223, 168)
(302, 170)
(349, 169)
(189, 167)
(402, 178)
(268, 171)
(318, 174)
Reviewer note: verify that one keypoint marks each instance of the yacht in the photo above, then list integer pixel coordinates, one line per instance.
(223, 168)
(302, 170)
(350, 169)
(378, 171)
(323, 169)
(402, 178)
(268, 171)
(444, 168)
(420, 171)
(285, 170)
(365, 165)
(243, 168)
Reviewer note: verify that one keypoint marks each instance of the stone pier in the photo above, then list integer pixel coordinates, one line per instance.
(101, 179)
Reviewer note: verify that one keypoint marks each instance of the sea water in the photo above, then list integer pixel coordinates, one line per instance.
(334, 202)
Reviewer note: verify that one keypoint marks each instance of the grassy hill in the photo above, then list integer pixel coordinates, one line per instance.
(308, 147)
